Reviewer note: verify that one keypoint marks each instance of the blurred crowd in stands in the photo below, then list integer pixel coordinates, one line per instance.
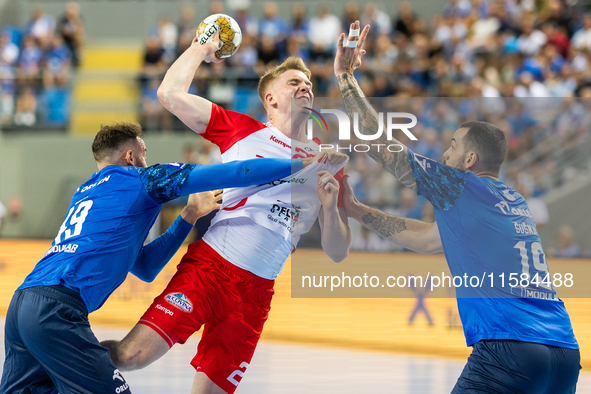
(475, 48)
(35, 68)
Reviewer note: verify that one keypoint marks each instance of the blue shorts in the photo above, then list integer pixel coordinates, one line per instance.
(503, 367)
(50, 347)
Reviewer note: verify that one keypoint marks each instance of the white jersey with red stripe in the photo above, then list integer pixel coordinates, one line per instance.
(258, 226)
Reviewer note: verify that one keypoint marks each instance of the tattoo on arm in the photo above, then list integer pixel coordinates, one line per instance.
(385, 225)
(355, 102)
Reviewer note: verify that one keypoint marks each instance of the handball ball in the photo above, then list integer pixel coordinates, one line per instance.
(228, 30)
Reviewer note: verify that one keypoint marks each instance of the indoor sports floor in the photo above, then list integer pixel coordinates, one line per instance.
(284, 368)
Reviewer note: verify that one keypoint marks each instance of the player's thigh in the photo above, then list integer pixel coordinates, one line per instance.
(60, 338)
(227, 346)
(567, 364)
(21, 370)
(506, 367)
(196, 294)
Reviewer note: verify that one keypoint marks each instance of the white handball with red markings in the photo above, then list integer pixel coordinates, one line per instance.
(228, 30)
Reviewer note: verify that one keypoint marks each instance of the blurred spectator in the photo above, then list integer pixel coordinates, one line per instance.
(558, 14)
(41, 27)
(461, 8)
(26, 108)
(536, 205)
(247, 57)
(271, 34)
(565, 245)
(378, 19)
(154, 116)
(324, 33)
(582, 38)
(557, 37)
(531, 39)
(405, 23)
(154, 63)
(299, 24)
(352, 13)
(57, 64)
(29, 63)
(8, 56)
(71, 28)
(410, 207)
(187, 29)
(216, 7)
(271, 26)
(168, 34)
(8, 50)
(7, 90)
(247, 22)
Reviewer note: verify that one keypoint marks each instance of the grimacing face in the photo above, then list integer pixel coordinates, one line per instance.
(455, 156)
(292, 84)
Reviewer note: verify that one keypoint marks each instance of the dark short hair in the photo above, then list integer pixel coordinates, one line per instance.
(114, 136)
(489, 143)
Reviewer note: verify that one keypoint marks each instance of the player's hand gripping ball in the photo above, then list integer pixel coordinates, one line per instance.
(228, 30)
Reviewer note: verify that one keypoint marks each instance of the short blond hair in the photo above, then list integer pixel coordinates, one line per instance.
(291, 63)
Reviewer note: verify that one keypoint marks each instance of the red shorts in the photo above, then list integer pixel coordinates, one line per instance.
(232, 303)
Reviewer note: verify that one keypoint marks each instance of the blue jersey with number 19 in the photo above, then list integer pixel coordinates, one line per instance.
(106, 224)
(487, 231)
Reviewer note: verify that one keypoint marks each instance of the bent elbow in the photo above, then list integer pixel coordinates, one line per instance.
(165, 96)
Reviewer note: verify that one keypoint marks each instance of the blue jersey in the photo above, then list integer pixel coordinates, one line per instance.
(102, 236)
(487, 231)
(104, 230)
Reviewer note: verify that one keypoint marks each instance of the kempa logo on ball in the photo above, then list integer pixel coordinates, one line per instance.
(345, 129)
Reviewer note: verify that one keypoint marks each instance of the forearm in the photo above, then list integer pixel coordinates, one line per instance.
(355, 102)
(336, 234)
(239, 174)
(180, 75)
(155, 255)
(412, 234)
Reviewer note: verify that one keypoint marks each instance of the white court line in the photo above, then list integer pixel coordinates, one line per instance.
(302, 369)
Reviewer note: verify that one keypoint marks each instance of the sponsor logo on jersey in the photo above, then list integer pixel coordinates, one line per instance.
(117, 375)
(68, 248)
(180, 301)
(278, 182)
(163, 309)
(506, 209)
(508, 195)
(278, 141)
(86, 188)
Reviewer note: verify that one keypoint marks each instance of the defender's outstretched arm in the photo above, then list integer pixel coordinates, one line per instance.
(347, 60)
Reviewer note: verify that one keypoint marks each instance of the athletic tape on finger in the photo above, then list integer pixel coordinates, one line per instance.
(350, 44)
(354, 32)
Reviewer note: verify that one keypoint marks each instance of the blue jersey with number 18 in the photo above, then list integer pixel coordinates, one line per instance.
(487, 231)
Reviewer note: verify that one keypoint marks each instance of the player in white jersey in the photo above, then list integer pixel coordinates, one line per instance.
(225, 281)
